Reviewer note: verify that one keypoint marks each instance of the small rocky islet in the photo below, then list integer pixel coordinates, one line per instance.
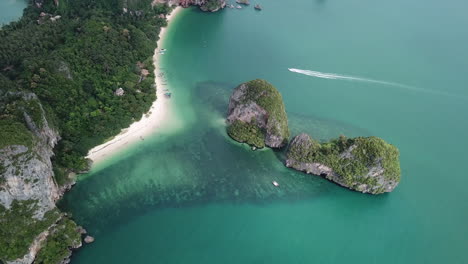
(257, 116)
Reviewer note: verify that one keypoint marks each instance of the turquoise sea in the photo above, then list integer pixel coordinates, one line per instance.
(393, 69)
(11, 10)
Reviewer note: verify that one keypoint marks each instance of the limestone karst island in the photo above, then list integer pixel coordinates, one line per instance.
(257, 117)
(233, 131)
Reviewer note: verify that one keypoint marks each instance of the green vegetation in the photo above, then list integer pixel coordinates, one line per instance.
(61, 175)
(2, 177)
(57, 246)
(247, 133)
(267, 97)
(13, 130)
(33, 109)
(18, 228)
(75, 64)
(14, 133)
(364, 164)
(365, 153)
(212, 5)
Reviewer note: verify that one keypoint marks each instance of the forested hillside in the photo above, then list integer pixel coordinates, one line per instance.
(75, 63)
(60, 67)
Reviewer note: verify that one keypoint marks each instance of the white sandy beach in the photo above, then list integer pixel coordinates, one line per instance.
(157, 117)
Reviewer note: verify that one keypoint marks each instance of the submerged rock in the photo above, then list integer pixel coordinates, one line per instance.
(256, 115)
(368, 165)
(89, 239)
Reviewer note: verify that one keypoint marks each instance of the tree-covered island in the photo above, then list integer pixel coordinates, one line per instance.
(256, 116)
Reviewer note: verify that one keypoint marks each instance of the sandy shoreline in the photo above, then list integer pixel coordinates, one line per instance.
(150, 122)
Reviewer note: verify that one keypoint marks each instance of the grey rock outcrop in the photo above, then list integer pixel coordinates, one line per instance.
(256, 115)
(205, 5)
(367, 165)
(27, 173)
(89, 239)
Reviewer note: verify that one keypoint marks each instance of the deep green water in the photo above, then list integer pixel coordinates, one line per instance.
(197, 197)
(11, 10)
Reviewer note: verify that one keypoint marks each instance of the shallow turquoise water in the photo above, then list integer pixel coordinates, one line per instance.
(198, 197)
(11, 10)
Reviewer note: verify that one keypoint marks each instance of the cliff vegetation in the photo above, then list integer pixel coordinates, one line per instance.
(56, 247)
(18, 228)
(363, 164)
(60, 66)
(75, 64)
(257, 115)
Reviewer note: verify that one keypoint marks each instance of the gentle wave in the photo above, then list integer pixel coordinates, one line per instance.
(333, 76)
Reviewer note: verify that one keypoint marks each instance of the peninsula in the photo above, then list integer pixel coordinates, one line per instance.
(72, 75)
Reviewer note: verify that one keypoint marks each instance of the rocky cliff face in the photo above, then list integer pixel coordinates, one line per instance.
(367, 165)
(28, 191)
(27, 169)
(256, 115)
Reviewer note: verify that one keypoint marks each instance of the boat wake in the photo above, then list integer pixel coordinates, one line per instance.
(334, 76)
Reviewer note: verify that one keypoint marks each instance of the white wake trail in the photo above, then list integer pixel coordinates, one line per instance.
(334, 76)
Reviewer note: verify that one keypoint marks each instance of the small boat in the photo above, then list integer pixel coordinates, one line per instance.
(239, 7)
(168, 95)
(258, 7)
(163, 49)
(275, 183)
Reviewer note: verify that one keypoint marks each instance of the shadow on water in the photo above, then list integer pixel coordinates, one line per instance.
(215, 96)
(199, 166)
